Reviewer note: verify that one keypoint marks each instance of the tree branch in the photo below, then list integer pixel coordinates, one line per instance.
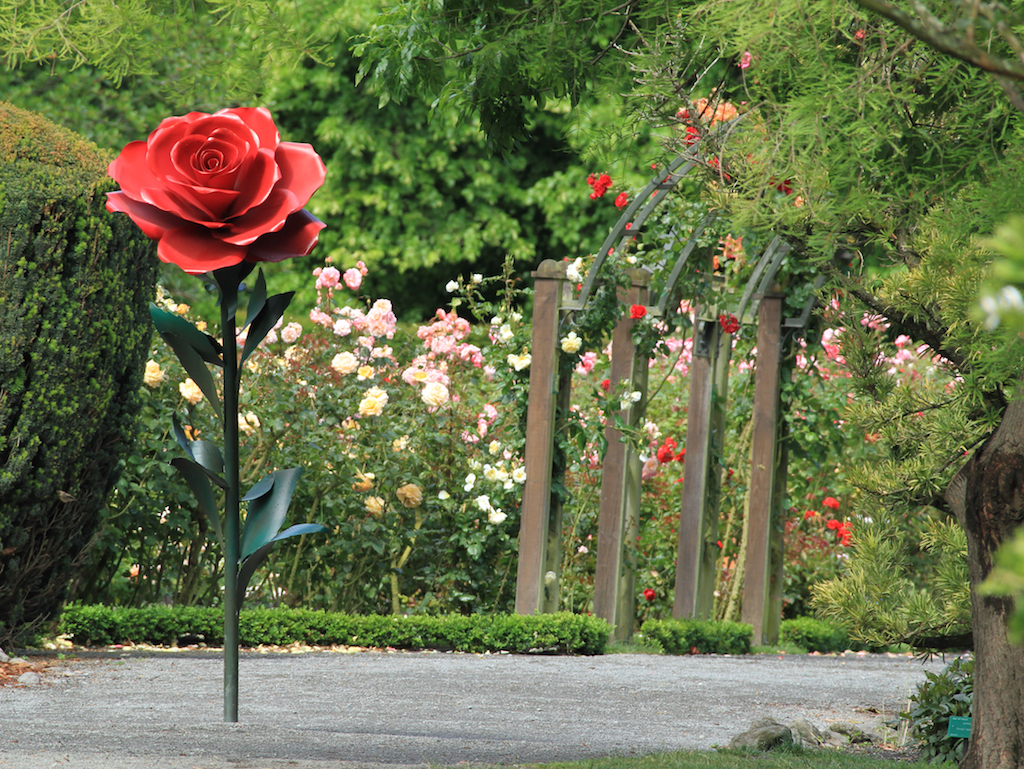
(929, 29)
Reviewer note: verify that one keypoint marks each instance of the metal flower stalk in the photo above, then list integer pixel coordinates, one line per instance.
(205, 468)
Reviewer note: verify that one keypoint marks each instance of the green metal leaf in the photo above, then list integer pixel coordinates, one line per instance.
(194, 364)
(249, 565)
(271, 312)
(208, 455)
(257, 300)
(262, 487)
(208, 348)
(179, 434)
(198, 480)
(267, 512)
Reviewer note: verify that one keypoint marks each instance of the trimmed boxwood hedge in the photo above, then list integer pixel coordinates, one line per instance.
(684, 636)
(545, 633)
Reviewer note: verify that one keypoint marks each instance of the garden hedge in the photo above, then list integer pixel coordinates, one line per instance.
(683, 636)
(75, 283)
(561, 633)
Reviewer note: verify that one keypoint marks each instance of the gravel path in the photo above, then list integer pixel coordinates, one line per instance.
(325, 710)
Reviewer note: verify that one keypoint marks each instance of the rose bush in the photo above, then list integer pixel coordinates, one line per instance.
(216, 190)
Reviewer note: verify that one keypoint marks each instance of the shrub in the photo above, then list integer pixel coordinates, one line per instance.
(74, 331)
(545, 633)
(943, 695)
(814, 635)
(681, 636)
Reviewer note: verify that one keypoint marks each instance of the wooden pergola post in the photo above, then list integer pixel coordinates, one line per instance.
(618, 517)
(763, 458)
(697, 553)
(535, 520)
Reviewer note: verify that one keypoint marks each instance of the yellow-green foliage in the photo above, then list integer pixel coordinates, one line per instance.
(75, 282)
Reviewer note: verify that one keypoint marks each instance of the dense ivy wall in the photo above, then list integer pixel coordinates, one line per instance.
(75, 282)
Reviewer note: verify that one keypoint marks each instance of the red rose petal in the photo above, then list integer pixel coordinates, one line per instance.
(153, 221)
(260, 177)
(261, 122)
(208, 161)
(196, 250)
(131, 171)
(296, 238)
(264, 219)
(302, 170)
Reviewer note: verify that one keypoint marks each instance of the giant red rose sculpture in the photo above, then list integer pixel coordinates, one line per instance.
(221, 193)
(217, 190)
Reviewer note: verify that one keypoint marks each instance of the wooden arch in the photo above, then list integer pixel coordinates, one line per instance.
(539, 568)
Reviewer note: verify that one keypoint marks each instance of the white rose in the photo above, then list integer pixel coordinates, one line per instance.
(451, 286)
(290, 333)
(345, 363)
(435, 394)
(495, 517)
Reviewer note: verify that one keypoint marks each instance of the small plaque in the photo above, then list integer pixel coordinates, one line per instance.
(959, 726)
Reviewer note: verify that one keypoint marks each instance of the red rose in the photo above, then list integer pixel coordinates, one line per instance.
(217, 190)
(666, 452)
(649, 594)
(831, 502)
(621, 200)
(605, 384)
(729, 323)
(637, 311)
(810, 514)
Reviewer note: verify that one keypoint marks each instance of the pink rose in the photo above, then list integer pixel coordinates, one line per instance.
(217, 190)
(328, 278)
(353, 278)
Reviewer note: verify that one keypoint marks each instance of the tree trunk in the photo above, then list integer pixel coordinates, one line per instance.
(987, 496)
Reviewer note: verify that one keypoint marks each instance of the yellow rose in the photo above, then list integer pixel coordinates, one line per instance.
(154, 374)
(375, 506)
(409, 495)
(364, 481)
(372, 404)
(190, 391)
(365, 372)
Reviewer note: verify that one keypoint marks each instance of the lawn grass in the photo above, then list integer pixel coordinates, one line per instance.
(732, 759)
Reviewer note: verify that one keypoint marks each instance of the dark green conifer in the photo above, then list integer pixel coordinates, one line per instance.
(75, 282)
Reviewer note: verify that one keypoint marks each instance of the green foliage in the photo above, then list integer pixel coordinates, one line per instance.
(944, 694)
(698, 637)
(560, 633)
(233, 47)
(74, 287)
(493, 60)
(884, 597)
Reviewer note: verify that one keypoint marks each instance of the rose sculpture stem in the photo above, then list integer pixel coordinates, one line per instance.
(232, 384)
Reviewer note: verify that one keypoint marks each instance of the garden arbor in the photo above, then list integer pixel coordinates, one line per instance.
(618, 520)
